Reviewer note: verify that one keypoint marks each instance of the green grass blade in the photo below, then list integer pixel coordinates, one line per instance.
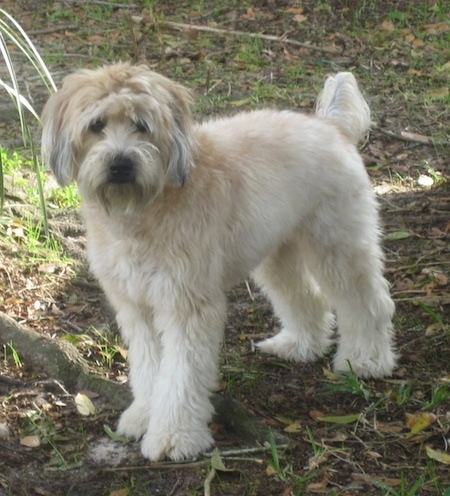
(12, 74)
(37, 171)
(30, 51)
(2, 185)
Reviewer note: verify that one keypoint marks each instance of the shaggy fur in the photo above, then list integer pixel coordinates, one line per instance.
(178, 212)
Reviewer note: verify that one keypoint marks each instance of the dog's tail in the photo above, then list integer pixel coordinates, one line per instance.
(342, 103)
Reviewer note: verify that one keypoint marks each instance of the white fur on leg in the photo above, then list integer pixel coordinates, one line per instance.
(300, 345)
(143, 359)
(134, 420)
(298, 302)
(365, 344)
(180, 403)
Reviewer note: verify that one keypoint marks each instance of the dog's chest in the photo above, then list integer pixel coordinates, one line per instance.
(125, 268)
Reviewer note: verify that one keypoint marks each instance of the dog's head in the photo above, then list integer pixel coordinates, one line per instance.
(121, 132)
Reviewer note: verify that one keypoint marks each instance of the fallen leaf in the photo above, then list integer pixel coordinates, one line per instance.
(433, 329)
(31, 441)
(300, 18)
(341, 419)
(120, 492)
(387, 25)
(438, 455)
(270, 470)
(84, 405)
(397, 235)
(295, 427)
(217, 462)
(330, 375)
(316, 414)
(47, 268)
(318, 487)
(240, 103)
(114, 436)
(418, 422)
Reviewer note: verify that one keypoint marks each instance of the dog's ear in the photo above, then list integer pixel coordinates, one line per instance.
(175, 114)
(180, 159)
(57, 147)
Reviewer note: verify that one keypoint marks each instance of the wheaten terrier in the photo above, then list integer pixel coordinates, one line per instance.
(177, 212)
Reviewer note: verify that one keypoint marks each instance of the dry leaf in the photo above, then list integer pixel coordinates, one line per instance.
(84, 405)
(31, 441)
(397, 235)
(341, 419)
(300, 18)
(295, 427)
(120, 492)
(316, 414)
(418, 422)
(438, 455)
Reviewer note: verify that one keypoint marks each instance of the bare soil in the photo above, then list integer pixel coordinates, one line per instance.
(400, 55)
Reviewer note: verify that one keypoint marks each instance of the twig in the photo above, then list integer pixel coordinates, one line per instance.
(175, 487)
(225, 32)
(412, 138)
(53, 29)
(157, 466)
(115, 5)
(246, 451)
(208, 480)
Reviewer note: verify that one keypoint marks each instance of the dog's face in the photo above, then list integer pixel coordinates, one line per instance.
(122, 132)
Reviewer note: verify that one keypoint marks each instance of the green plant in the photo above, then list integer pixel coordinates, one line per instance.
(9, 348)
(11, 31)
(66, 197)
(403, 395)
(275, 462)
(98, 343)
(349, 382)
(51, 433)
(439, 395)
(403, 487)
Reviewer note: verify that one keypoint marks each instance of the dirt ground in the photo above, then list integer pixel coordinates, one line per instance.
(343, 436)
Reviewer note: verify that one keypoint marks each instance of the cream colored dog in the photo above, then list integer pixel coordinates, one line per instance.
(178, 212)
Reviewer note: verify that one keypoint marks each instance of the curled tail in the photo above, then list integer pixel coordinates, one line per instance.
(342, 103)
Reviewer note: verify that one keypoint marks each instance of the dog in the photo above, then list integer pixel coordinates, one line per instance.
(177, 212)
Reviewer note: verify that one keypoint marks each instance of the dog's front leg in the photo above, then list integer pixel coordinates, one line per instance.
(144, 350)
(191, 333)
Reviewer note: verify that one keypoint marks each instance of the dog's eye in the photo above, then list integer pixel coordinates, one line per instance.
(141, 126)
(97, 126)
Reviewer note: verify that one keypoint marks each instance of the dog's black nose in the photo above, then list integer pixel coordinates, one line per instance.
(122, 170)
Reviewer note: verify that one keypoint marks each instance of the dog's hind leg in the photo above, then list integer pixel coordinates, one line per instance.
(299, 304)
(344, 245)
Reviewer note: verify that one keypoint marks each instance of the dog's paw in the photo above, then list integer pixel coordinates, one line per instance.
(133, 422)
(293, 348)
(367, 363)
(176, 446)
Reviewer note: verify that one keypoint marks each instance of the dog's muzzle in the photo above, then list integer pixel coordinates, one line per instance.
(122, 170)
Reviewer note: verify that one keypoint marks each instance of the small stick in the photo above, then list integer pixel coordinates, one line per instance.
(412, 138)
(225, 32)
(53, 29)
(208, 480)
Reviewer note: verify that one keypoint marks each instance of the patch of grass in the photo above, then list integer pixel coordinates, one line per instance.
(349, 383)
(404, 489)
(438, 395)
(67, 197)
(9, 349)
(101, 343)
